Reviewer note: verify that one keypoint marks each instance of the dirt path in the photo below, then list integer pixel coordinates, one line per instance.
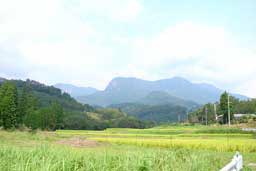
(78, 142)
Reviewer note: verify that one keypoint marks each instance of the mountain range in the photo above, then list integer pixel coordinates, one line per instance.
(176, 90)
(75, 91)
(2, 79)
(159, 101)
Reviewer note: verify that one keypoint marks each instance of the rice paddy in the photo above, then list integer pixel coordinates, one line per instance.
(157, 149)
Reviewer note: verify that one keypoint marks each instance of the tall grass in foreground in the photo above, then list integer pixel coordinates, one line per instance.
(55, 158)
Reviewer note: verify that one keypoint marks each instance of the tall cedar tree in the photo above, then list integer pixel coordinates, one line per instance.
(8, 104)
(22, 106)
(27, 103)
(57, 110)
(3, 90)
(49, 118)
(224, 107)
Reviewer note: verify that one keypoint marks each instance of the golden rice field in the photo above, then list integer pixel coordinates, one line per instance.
(207, 138)
(162, 148)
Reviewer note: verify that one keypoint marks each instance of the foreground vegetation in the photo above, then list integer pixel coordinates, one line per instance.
(121, 158)
(162, 148)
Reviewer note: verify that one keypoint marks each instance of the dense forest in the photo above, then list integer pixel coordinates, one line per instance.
(156, 113)
(37, 106)
(218, 112)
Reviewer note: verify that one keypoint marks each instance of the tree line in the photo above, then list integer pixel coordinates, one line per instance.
(19, 109)
(218, 112)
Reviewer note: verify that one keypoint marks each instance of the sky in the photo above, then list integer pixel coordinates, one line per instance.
(87, 43)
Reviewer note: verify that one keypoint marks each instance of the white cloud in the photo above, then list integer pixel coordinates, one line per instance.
(124, 10)
(39, 20)
(181, 42)
(196, 51)
(53, 41)
(247, 87)
(50, 43)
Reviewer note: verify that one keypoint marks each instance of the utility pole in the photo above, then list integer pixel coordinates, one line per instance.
(206, 113)
(215, 112)
(228, 111)
(187, 116)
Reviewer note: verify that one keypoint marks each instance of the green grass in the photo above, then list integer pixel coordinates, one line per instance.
(47, 157)
(165, 148)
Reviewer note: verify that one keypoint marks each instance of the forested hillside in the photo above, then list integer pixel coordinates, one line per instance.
(45, 95)
(163, 98)
(35, 105)
(156, 113)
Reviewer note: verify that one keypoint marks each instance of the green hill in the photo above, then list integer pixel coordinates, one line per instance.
(163, 98)
(156, 113)
(45, 95)
(46, 107)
